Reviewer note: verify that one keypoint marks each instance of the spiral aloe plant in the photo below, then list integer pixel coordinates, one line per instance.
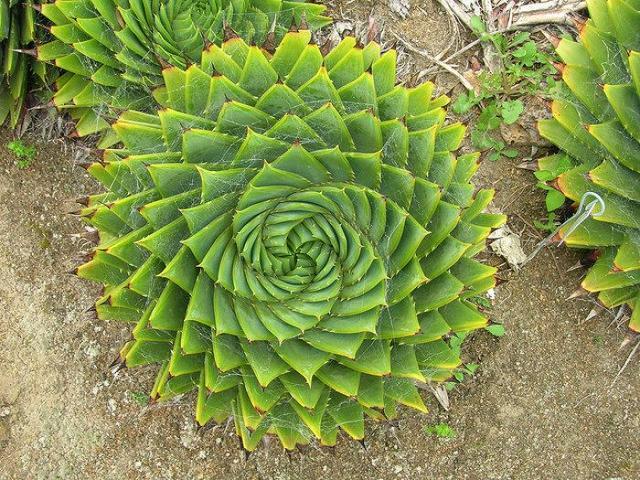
(293, 237)
(113, 50)
(597, 124)
(16, 33)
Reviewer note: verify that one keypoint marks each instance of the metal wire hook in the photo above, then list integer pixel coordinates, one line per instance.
(584, 211)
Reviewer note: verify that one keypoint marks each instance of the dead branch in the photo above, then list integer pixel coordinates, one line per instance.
(544, 13)
(458, 11)
(550, 5)
(513, 16)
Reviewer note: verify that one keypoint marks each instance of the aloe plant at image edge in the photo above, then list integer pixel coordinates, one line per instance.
(293, 237)
(17, 31)
(597, 125)
(113, 51)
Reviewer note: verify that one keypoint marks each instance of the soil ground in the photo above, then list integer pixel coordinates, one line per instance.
(541, 406)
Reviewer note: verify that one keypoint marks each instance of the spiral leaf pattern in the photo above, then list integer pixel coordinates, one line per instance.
(113, 50)
(293, 237)
(597, 124)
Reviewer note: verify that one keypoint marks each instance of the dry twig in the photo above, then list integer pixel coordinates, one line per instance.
(553, 11)
(435, 60)
(514, 16)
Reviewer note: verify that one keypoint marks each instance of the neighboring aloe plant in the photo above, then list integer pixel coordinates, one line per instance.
(114, 50)
(597, 124)
(292, 236)
(16, 33)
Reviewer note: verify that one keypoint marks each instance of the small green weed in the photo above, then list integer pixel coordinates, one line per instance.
(549, 225)
(554, 199)
(467, 370)
(455, 343)
(140, 398)
(440, 430)
(482, 302)
(24, 153)
(524, 70)
(496, 329)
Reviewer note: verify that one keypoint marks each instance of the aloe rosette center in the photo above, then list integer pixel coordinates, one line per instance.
(293, 237)
(303, 246)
